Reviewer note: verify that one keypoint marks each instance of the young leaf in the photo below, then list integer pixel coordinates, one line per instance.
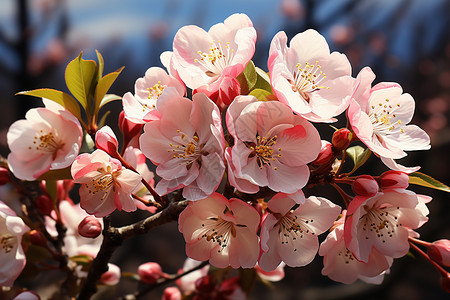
(101, 64)
(81, 259)
(80, 79)
(359, 156)
(250, 74)
(56, 174)
(428, 181)
(64, 99)
(262, 81)
(262, 95)
(109, 98)
(102, 88)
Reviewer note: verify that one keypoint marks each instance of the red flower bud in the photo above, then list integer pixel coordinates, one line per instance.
(36, 238)
(365, 185)
(4, 176)
(393, 180)
(325, 154)
(112, 276)
(106, 140)
(341, 139)
(150, 272)
(445, 282)
(229, 89)
(44, 205)
(439, 251)
(128, 128)
(90, 227)
(171, 293)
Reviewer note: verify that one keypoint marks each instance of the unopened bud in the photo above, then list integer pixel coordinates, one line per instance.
(44, 205)
(325, 154)
(106, 140)
(365, 185)
(439, 251)
(4, 176)
(112, 276)
(205, 285)
(27, 295)
(341, 139)
(150, 272)
(229, 89)
(445, 282)
(393, 180)
(128, 128)
(171, 293)
(90, 227)
(36, 238)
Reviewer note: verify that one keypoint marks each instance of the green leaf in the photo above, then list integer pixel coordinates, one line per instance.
(359, 156)
(101, 64)
(81, 259)
(262, 81)
(428, 181)
(103, 119)
(247, 79)
(262, 95)
(56, 174)
(103, 85)
(80, 79)
(129, 275)
(109, 98)
(64, 99)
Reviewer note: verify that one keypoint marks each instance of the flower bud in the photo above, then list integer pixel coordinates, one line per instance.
(36, 238)
(112, 276)
(341, 139)
(439, 251)
(27, 295)
(229, 89)
(128, 128)
(393, 180)
(44, 205)
(171, 293)
(90, 227)
(4, 176)
(365, 185)
(150, 272)
(445, 282)
(106, 140)
(325, 154)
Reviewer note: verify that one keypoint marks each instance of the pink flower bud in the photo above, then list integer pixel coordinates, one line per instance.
(445, 282)
(341, 139)
(106, 140)
(44, 205)
(439, 251)
(325, 154)
(27, 295)
(229, 89)
(365, 185)
(150, 272)
(128, 128)
(36, 238)
(393, 180)
(171, 293)
(90, 227)
(4, 176)
(112, 276)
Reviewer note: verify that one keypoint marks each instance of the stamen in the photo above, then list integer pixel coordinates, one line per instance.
(218, 58)
(308, 79)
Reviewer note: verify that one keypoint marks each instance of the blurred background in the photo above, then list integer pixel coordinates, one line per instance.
(406, 41)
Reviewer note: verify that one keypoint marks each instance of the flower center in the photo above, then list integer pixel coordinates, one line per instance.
(380, 222)
(291, 227)
(186, 149)
(264, 150)
(103, 182)
(46, 143)
(307, 79)
(218, 58)
(346, 255)
(383, 118)
(8, 242)
(156, 91)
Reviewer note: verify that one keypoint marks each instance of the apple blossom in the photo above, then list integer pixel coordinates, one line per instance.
(211, 61)
(90, 227)
(105, 139)
(307, 78)
(12, 257)
(290, 235)
(222, 231)
(171, 293)
(48, 139)
(187, 145)
(106, 185)
(365, 185)
(383, 222)
(271, 146)
(393, 180)
(379, 116)
(141, 107)
(439, 251)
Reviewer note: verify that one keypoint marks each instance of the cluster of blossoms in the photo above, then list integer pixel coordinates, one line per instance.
(238, 158)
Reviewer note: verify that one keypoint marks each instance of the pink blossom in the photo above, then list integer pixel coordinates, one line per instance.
(439, 251)
(222, 231)
(106, 185)
(307, 78)
(112, 276)
(211, 61)
(379, 116)
(171, 293)
(187, 282)
(48, 139)
(150, 272)
(90, 227)
(383, 222)
(272, 146)
(187, 145)
(140, 107)
(12, 257)
(290, 235)
(342, 266)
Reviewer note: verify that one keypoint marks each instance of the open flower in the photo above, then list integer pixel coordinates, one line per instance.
(272, 146)
(141, 107)
(211, 61)
(221, 230)
(187, 145)
(12, 257)
(378, 116)
(48, 139)
(307, 78)
(290, 235)
(106, 185)
(383, 222)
